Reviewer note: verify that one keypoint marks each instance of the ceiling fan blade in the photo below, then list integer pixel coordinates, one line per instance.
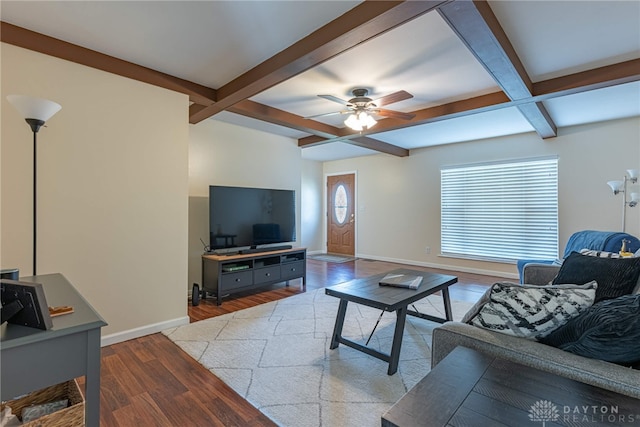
(334, 99)
(394, 114)
(398, 96)
(327, 114)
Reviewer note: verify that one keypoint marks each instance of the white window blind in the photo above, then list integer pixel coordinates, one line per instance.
(500, 211)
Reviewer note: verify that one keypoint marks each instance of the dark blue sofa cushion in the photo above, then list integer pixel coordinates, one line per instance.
(615, 276)
(608, 330)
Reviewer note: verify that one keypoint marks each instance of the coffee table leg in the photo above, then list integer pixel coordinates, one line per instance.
(394, 358)
(447, 304)
(337, 330)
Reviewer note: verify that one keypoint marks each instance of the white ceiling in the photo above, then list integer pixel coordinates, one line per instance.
(213, 42)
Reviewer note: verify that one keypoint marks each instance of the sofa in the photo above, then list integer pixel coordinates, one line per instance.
(599, 373)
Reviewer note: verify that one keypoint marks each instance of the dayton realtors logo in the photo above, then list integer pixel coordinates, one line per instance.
(543, 411)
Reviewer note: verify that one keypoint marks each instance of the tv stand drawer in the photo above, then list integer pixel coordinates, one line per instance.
(292, 270)
(240, 279)
(267, 274)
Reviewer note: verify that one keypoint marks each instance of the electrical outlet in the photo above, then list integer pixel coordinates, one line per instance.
(427, 249)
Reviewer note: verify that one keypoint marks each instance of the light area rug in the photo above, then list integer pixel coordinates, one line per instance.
(332, 258)
(277, 356)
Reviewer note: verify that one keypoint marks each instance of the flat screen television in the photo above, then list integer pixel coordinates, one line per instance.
(242, 217)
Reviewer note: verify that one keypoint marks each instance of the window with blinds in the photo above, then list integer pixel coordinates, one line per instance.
(500, 211)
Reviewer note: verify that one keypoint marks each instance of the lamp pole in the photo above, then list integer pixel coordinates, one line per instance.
(624, 204)
(35, 200)
(35, 125)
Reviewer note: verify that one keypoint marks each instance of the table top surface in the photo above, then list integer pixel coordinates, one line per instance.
(368, 291)
(58, 292)
(471, 388)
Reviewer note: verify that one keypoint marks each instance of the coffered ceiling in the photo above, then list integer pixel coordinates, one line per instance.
(475, 69)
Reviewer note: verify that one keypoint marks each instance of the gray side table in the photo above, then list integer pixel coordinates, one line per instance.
(33, 359)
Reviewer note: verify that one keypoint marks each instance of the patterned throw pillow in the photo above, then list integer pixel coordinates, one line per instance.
(600, 254)
(530, 311)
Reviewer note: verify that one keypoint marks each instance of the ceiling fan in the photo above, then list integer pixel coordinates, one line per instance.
(360, 108)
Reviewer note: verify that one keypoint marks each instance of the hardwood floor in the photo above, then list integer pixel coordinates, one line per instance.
(150, 381)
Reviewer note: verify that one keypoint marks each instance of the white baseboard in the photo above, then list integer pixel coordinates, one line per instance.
(444, 267)
(142, 331)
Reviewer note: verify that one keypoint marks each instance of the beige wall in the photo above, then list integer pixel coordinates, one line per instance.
(399, 198)
(112, 190)
(312, 218)
(226, 154)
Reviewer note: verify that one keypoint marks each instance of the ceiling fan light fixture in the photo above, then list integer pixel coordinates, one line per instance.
(360, 120)
(367, 120)
(353, 122)
(361, 106)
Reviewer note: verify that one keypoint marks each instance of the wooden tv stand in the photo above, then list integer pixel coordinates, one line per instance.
(223, 275)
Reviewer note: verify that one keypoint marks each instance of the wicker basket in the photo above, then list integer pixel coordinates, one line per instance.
(71, 416)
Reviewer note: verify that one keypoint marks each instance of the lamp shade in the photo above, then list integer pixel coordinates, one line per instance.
(616, 186)
(633, 174)
(353, 122)
(366, 120)
(34, 108)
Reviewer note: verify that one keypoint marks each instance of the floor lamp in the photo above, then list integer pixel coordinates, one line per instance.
(621, 187)
(36, 111)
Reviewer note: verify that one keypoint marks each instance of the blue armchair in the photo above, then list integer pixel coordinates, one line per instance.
(609, 241)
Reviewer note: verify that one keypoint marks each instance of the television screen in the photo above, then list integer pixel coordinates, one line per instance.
(241, 217)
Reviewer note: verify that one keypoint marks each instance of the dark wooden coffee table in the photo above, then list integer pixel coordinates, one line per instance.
(469, 388)
(368, 292)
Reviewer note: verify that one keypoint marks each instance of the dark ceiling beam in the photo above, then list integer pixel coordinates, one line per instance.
(584, 81)
(580, 82)
(357, 140)
(312, 141)
(465, 107)
(326, 132)
(276, 116)
(538, 116)
(479, 29)
(31, 40)
(382, 147)
(364, 22)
